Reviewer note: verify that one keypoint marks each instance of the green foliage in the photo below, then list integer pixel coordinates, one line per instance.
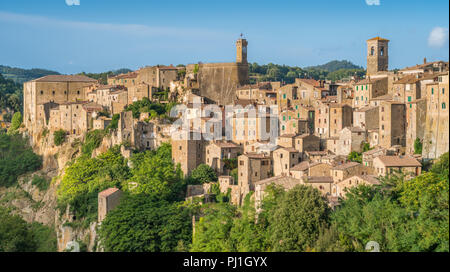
(40, 182)
(196, 68)
(11, 95)
(86, 177)
(93, 140)
(417, 146)
(16, 158)
(365, 147)
(401, 215)
(114, 123)
(154, 173)
(230, 164)
(334, 70)
(15, 123)
(59, 137)
(213, 229)
(296, 219)
(142, 223)
(16, 235)
(203, 174)
(355, 157)
(103, 77)
(20, 76)
(156, 110)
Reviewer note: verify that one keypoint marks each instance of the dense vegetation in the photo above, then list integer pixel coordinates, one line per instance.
(155, 110)
(334, 70)
(16, 235)
(16, 158)
(59, 137)
(400, 215)
(103, 77)
(143, 223)
(11, 95)
(20, 76)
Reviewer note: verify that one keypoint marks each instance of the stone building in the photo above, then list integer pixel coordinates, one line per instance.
(349, 169)
(341, 188)
(253, 168)
(368, 89)
(287, 183)
(219, 81)
(436, 137)
(216, 152)
(107, 201)
(314, 169)
(392, 124)
(348, 140)
(283, 159)
(57, 89)
(366, 118)
(322, 183)
(377, 55)
(386, 165)
(139, 134)
(332, 118)
(306, 142)
(188, 150)
(416, 115)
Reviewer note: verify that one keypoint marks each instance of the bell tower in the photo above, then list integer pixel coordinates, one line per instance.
(241, 50)
(377, 55)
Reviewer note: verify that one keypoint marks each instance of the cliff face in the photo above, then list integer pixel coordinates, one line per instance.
(35, 205)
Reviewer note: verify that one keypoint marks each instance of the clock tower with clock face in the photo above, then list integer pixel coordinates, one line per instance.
(241, 51)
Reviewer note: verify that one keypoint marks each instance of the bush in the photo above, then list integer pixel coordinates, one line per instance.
(15, 123)
(203, 174)
(93, 140)
(40, 182)
(86, 177)
(16, 158)
(59, 137)
(145, 224)
(16, 235)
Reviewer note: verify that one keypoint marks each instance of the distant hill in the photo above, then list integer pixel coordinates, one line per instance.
(20, 76)
(335, 65)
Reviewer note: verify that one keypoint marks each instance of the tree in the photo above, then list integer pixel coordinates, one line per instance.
(203, 174)
(16, 121)
(417, 146)
(213, 229)
(297, 218)
(16, 158)
(355, 157)
(16, 235)
(154, 173)
(59, 137)
(141, 223)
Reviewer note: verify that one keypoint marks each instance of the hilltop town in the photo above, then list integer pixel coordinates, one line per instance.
(330, 135)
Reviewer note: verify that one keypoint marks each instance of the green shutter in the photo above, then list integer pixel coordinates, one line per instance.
(409, 98)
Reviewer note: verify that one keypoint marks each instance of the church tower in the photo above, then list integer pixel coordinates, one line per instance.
(241, 50)
(377, 55)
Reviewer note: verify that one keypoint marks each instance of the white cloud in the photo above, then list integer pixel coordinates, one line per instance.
(438, 37)
(373, 2)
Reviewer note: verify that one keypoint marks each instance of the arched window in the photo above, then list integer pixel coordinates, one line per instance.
(372, 51)
(382, 51)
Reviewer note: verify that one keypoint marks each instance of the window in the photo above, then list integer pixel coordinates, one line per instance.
(382, 51)
(409, 98)
(284, 96)
(42, 92)
(432, 90)
(372, 51)
(282, 127)
(241, 162)
(443, 106)
(443, 90)
(356, 87)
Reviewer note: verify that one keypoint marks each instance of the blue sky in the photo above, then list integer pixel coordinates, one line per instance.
(100, 35)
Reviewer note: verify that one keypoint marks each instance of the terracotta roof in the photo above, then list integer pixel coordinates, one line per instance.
(225, 144)
(65, 78)
(314, 179)
(383, 97)
(370, 80)
(370, 178)
(399, 161)
(346, 165)
(127, 75)
(256, 156)
(285, 181)
(317, 153)
(378, 39)
(301, 166)
(108, 192)
(312, 82)
(356, 129)
(373, 151)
